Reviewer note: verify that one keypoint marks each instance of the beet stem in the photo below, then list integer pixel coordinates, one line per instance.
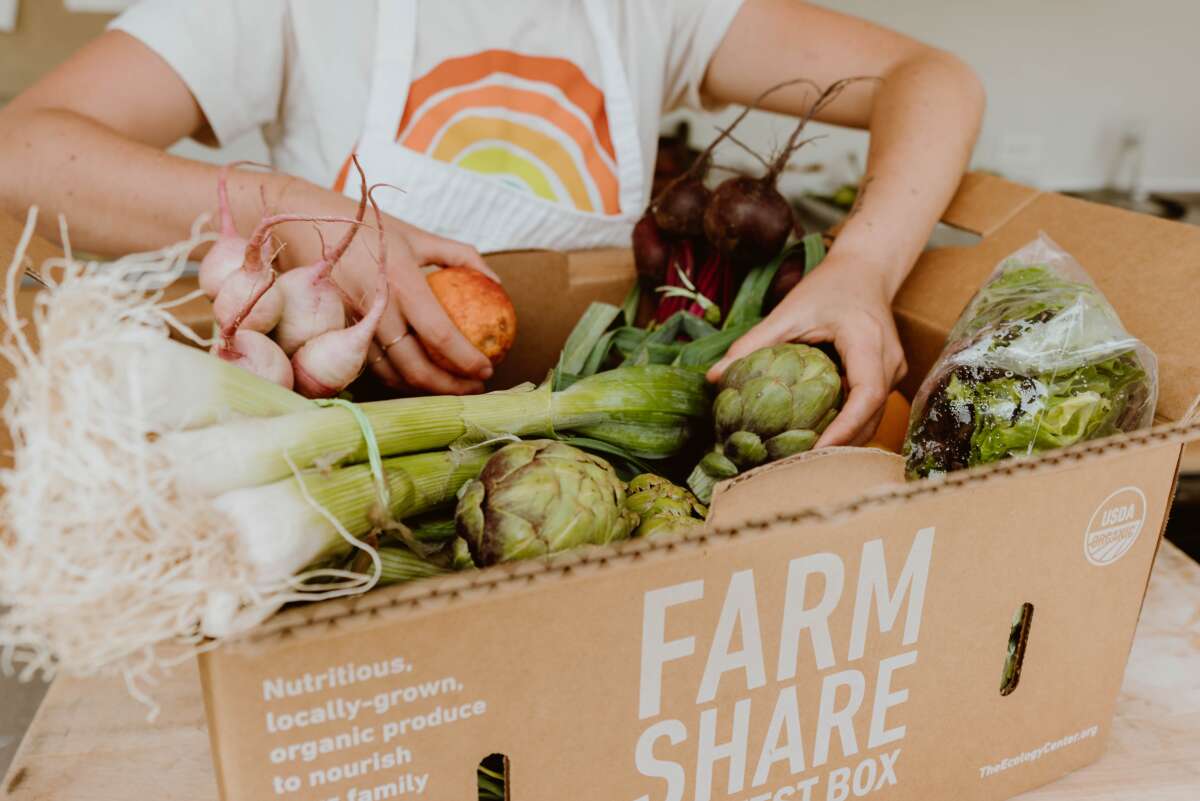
(700, 166)
(744, 146)
(825, 97)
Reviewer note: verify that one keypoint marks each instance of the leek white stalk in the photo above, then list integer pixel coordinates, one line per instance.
(286, 526)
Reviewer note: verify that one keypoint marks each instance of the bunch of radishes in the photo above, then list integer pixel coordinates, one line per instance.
(297, 329)
(694, 244)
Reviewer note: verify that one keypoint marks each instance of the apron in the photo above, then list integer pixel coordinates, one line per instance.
(473, 208)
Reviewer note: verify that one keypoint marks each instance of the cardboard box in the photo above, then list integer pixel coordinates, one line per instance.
(833, 633)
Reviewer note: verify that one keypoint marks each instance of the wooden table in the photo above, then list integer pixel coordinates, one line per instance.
(90, 742)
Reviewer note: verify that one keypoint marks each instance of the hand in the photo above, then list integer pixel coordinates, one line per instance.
(847, 306)
(399, 356)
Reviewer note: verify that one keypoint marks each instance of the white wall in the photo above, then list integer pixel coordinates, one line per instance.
(1066, 79)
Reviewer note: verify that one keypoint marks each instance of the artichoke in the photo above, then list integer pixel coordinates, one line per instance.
(541, 497)
(772, 404)
(662, 507)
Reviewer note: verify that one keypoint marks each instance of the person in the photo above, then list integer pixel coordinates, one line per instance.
(507, 125)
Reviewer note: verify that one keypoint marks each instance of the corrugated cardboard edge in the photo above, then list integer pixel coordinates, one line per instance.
(213, 715)
(438, 592)
(985, 203)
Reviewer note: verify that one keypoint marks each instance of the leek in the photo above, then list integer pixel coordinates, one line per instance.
(399, 565)
(649, 411)
(180, 387)
(283, 531)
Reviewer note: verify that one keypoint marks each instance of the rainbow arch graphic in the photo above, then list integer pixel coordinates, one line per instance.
(534, 122)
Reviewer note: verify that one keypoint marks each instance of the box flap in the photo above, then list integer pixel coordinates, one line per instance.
(551, 290)
(827, 476)
(1147, 267)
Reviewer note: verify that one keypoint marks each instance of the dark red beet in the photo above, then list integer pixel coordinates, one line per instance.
(789, 274)
(680, 210)
(651, 251)
(679, 207)
(748, 220)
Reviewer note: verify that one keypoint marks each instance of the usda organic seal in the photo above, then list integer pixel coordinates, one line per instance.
(1115, 526)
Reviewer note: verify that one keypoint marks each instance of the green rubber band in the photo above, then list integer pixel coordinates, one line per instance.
(374, 458)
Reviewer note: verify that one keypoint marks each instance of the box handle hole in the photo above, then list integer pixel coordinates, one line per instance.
(1018, 638)
(493, 778)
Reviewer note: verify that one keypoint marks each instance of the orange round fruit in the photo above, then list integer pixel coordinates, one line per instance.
(893, 426)
(479, 307)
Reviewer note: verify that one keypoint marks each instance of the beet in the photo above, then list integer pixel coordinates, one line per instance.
(748, 220)
(651, 251)
(680, 210)
(679, 207)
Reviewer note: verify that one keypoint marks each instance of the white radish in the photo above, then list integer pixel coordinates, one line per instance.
(228, 252)
(259, 354)
(312, 302)
(312, 305)
(245, 282)
(251, 350)
(327, 364)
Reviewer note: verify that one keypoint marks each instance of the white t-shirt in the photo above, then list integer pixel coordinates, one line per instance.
(495, 84)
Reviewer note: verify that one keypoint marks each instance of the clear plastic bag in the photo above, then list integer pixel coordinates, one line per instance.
(1038, 360)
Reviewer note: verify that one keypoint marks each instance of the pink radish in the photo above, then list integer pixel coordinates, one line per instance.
(312, 302)
(252, 350)
(327, 364)
(245, 281)
(227, 253)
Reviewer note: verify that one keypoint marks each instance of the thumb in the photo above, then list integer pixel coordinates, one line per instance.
(449, 253)
(763, 335)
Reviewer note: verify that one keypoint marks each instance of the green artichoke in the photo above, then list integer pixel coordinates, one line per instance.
(772, 404)
(541, 497)
(663, 507)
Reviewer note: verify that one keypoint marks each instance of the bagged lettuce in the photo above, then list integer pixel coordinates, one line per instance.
(1038, 360)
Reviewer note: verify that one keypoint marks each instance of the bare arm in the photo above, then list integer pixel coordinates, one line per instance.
(924, 117)
(89, 146)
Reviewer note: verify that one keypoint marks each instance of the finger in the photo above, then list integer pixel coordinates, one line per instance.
(768, 332)
(427, 317)
(448, 253)
(901, 369)
(382, 368)
(410, 359)
(868, 432)
(392, 326)
(863, 357)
